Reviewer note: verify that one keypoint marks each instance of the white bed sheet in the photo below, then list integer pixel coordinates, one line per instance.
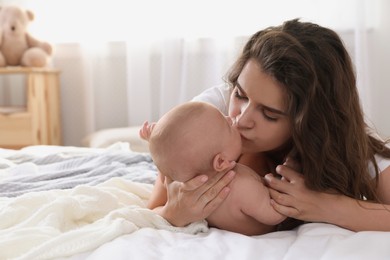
(309, 241)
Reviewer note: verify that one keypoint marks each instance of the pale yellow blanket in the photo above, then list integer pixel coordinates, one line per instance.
(60, 223)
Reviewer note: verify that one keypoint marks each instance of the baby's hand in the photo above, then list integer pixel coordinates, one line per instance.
(146, 130)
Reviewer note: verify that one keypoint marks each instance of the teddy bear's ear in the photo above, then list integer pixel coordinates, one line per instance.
(30, 15)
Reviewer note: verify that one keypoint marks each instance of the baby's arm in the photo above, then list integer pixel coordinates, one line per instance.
(256, 201)
(159, 193)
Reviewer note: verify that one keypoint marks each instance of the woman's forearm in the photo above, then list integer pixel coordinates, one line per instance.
(292, 198)
(359, 215)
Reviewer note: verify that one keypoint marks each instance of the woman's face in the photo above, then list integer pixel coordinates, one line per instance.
(257, 105)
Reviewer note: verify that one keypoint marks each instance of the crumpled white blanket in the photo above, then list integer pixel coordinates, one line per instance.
(59, 223)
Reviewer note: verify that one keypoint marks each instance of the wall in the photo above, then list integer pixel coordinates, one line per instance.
(380, 72)
(98, 94)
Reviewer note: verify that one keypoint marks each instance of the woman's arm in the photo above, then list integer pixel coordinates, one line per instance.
(195, 199)
(384, 186)
(292, 198)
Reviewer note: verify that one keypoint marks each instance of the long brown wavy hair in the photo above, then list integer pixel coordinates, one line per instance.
(329, 134)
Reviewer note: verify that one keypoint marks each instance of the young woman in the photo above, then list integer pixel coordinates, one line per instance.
(293, 97)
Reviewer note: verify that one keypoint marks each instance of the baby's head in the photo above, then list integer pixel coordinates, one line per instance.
(194, 138)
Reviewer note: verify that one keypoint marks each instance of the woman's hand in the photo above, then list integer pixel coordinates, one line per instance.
(292, 198)
(195, 199)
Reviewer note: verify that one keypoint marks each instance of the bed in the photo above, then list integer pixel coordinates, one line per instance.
(75, 203)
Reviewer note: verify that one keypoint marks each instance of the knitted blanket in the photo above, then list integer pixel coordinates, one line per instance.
(39, 168)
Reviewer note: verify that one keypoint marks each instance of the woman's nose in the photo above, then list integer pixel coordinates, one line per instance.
(244, 119)
(231, 121)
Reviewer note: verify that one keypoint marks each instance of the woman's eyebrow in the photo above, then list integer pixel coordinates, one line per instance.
(271, 109)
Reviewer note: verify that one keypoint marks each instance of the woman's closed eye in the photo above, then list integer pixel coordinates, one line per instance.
(268, 115)
(238, 95)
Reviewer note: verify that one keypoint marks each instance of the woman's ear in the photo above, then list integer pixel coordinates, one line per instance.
(220, 163)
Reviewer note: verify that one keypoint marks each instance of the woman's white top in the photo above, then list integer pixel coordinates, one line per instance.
(383, 163)
(218, 96)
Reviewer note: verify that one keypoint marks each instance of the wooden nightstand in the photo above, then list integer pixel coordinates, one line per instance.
(39, 121)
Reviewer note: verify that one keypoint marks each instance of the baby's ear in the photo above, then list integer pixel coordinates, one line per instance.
(220, 163)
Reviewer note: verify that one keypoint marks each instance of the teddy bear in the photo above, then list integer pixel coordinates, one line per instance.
(17, 46)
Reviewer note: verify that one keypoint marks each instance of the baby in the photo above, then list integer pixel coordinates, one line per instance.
(196, 138)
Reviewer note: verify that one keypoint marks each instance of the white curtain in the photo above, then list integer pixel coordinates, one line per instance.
(124, 62)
